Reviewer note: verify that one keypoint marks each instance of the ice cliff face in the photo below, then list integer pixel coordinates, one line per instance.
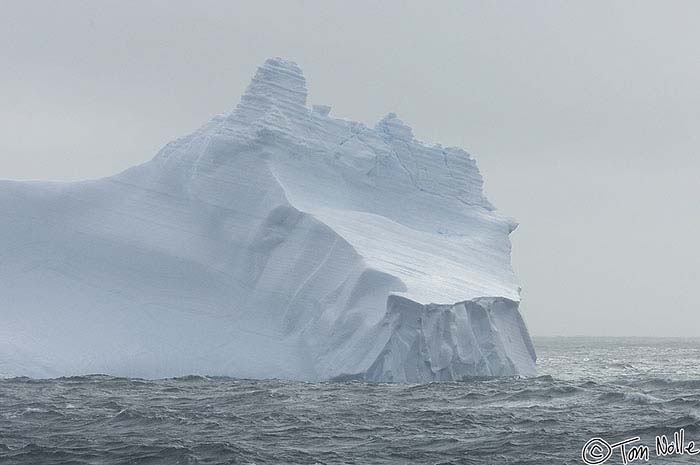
(275, 241)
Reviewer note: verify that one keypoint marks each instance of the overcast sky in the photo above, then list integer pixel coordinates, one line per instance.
(584, 117)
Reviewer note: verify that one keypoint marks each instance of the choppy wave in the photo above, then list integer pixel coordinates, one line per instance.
(210, 420)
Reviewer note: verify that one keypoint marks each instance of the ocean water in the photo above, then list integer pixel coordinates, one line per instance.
(613, 389)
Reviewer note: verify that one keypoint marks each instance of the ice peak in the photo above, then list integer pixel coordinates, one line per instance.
(394, 128)
(279, 80)
(278, 84)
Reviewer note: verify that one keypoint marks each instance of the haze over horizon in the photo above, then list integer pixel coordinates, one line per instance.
(583, 118)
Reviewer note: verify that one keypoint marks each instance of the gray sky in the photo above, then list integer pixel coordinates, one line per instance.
(584, 117)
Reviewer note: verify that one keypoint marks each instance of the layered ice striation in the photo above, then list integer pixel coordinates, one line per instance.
(274, 242)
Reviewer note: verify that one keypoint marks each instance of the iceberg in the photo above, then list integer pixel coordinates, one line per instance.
(276, 241)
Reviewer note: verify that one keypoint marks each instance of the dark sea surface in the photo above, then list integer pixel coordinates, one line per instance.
(589, 387)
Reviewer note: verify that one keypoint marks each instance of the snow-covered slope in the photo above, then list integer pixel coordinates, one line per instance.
(275, 241)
